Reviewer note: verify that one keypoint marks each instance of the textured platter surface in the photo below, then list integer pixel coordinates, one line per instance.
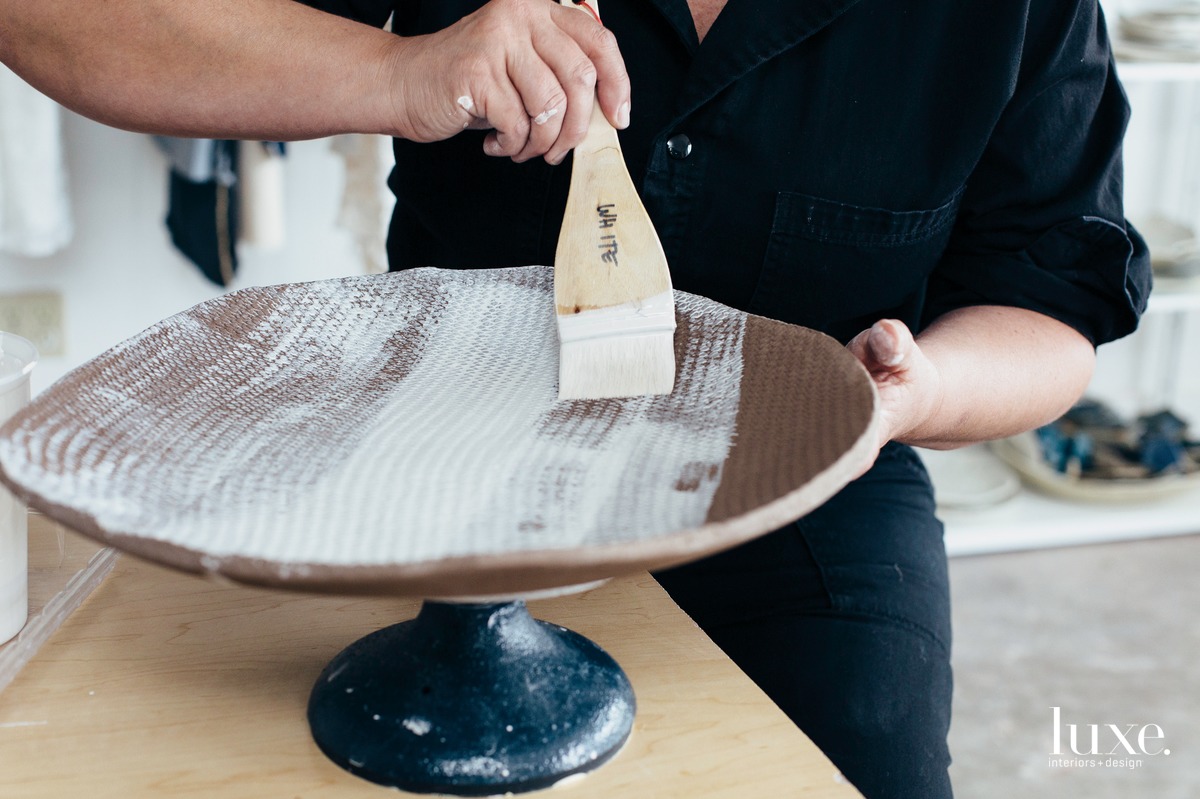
(401, 434)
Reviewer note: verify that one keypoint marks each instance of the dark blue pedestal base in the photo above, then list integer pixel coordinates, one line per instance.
(473, 700)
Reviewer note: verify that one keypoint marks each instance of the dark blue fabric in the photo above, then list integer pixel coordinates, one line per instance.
(202, 216)
(843, 619)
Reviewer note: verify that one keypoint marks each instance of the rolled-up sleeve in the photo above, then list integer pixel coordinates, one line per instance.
(372, 12)
(1042, 224)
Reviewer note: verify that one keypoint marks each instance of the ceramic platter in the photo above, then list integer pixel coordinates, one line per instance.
(400, 434)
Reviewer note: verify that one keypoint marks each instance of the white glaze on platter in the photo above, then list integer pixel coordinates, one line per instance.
(379, 420)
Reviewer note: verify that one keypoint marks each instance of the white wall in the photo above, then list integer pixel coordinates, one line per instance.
(121, 274)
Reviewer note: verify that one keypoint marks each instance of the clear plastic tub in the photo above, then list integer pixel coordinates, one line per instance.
(64, 569)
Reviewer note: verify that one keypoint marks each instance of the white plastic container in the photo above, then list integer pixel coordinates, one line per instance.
(17, 359)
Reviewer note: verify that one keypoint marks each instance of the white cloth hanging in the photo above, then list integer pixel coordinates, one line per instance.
(35, 210)
(262, 201)
(367, 204)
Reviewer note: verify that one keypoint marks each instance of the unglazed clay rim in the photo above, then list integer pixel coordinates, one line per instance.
(518, 572)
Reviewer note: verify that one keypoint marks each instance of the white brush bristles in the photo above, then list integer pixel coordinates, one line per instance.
(623, 351)
(618, 366)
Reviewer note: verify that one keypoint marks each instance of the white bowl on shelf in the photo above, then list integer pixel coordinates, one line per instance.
(969, 478)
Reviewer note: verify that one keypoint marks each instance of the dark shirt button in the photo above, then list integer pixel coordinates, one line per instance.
(679, 146)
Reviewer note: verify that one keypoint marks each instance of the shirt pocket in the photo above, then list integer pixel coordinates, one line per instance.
(830, 265)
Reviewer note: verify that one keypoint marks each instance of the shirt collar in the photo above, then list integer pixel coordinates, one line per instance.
(677, 13)
(746, 34)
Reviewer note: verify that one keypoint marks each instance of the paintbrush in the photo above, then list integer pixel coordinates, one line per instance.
(612, 287)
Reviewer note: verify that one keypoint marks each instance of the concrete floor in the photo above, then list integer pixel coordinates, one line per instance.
(1110, 635)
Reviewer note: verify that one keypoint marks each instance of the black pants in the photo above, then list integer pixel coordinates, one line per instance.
(843, 619)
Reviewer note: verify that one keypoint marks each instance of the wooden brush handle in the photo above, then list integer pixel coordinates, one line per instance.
(600, 132)
(601, 135)
(608, 252)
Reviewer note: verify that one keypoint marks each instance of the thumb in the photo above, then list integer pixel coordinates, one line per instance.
(884, 347)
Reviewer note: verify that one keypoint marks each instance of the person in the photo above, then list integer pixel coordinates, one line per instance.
(936, 184)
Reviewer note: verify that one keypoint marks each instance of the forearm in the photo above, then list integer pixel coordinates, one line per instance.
(254, 69)
(1001, 371)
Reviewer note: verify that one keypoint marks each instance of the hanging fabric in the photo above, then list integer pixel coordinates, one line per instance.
(261, 194)
(35, 210)
(202, 203)
(366, 207)
(223, 193)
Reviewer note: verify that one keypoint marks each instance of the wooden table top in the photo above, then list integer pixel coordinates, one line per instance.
(164, 684)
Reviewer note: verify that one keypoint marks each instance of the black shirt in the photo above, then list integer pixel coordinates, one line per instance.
(849, 160)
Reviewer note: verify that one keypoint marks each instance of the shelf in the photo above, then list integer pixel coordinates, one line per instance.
(1158, 71)
(1171, 295)
(1035, 521)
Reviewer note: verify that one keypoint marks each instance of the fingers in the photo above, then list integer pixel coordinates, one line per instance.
(527, 70)
(528, 116)
(504, 111)
(569, 65)
(575, 76)
(599, 46)
(545, 102)
(909, 384)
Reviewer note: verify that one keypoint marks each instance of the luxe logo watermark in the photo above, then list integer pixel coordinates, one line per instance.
(1105, 745)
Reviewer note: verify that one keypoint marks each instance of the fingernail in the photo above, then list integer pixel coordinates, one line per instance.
(623, 115)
